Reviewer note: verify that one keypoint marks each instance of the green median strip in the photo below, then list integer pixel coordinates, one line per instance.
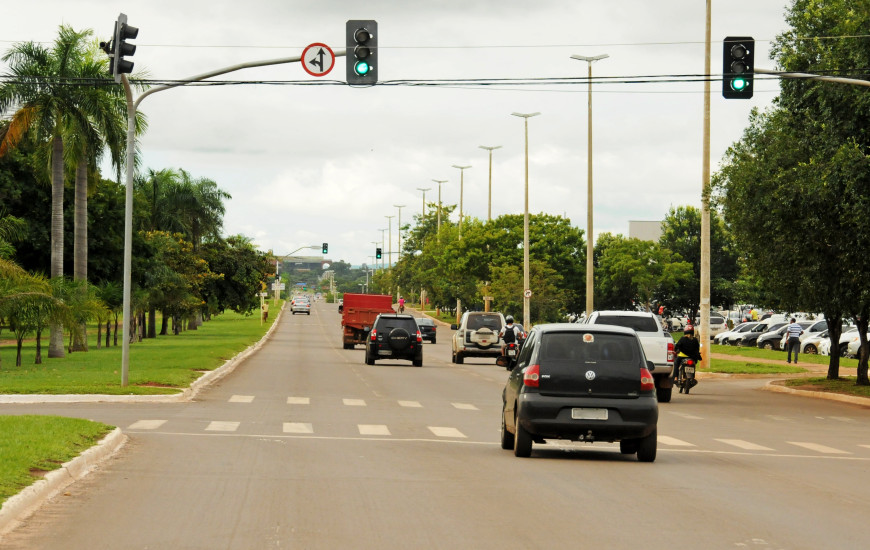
(30, 446)
(749, 367)
(845, 385)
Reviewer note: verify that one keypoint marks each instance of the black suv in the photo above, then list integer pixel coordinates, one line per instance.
(585, 383)
(395, 336)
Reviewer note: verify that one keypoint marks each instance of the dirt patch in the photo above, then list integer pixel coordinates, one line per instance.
(155, 385)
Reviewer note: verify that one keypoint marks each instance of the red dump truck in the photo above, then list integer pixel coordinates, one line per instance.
(358, 316)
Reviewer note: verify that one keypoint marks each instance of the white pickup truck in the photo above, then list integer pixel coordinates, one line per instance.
(658, 346)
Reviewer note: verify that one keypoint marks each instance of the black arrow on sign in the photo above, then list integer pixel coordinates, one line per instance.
(318, 62)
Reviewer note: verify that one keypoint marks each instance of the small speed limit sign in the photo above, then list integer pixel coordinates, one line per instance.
(528, 293)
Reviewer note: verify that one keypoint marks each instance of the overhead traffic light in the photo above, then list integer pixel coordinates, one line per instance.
(378, 253)
(118, 47)
(325, 248)
(362, 51)
(738, 65)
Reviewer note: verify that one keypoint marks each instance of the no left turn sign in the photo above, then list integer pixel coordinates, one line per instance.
(528, 293)
(318, 59)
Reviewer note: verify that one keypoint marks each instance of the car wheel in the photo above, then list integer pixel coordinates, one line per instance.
(348, 346)
(664, 394)
(370, 360)
(522, 442)
(646, 449)
(507, 438)
(433, 340)
(453, 357)
(418, 362)
(459, 358)
(811, 349)
(768, 345)
(628, 446)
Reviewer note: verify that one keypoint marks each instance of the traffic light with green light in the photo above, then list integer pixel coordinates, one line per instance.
(325, 248)
(738, 62)
(362, 51)
(378, 253)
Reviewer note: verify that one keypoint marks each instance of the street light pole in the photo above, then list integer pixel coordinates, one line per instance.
(526, 284)
(489, 208)
(439, 182)
(461, 192)
(589, 240)
(390, 241)
(399, 253)
(423, 189)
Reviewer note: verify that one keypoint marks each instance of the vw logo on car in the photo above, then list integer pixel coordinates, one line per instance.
(590, 375)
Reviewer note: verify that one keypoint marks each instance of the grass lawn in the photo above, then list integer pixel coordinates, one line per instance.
(33, 445)
(779, 355)
(845, 385)
(748, 367)
(163, 365)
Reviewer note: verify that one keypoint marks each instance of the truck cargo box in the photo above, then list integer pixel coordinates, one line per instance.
(358, 315)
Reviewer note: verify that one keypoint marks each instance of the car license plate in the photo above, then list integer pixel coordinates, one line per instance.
(690, 370)
(385, 352)
(512, 352)
(589, 414)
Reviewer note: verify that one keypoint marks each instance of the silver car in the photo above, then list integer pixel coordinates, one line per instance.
(300, 304)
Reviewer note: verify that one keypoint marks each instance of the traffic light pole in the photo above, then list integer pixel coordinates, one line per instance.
(132, 107)
(809, 76)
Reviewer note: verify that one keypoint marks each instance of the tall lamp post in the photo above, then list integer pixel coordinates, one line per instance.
(439, 182)
(390, 240)
(461, 192)
(589, 240)
(399, 253)
(526, 289)
(489, 208)
(424, 189)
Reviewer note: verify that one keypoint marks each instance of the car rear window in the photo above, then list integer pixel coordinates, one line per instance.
(477, 322)
(639, 324)
(587, 347)
(425, 322)
(387, 324)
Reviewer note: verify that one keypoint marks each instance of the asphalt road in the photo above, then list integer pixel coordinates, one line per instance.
(304, 446)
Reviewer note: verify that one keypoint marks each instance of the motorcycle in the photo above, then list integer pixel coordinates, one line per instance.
(508, 357)
(685, 379)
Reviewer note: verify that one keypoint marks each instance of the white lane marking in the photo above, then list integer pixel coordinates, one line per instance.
(780, 418)
(373, 429)
(298, 428)
(744, 445)
(222, 426)
(465, 406)
(414, 404)
(354, 402)
(446, 432)
(844, 419)
(673, 441)
(865, 446)
(241, 399)
(819, 448)
(298, 400)
(146, 424)
(686, 415)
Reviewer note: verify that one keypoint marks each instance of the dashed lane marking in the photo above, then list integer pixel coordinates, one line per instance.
(222, 426)
(819, 448)
(298, 400)
(673, 441)
(354, 402)
(242, 399)
(441, 431)
(412, 404)
(465, 406)
(373, 429)
(739, 443)
(687, 416)
(146, 424)
(298, 428)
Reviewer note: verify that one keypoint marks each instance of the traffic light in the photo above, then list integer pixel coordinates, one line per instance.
(378, 253)
(325, 248)
(362, 51)
(119, 47)
(738, 65)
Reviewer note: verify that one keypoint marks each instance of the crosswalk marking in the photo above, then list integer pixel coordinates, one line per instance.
(414, 404)
(222, 426)
(465, 406)
(673, 441)
(146, 424)
(446, 432)
(298, 428)
(354, 402)
(241, 399)
(298, 400)
(744, 445)
(373, 429)
(819, 448)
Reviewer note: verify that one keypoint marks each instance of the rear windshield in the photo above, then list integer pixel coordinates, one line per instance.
(425, 322)
(584, 347)
(639, 324)
(387, 324)
(477, 322)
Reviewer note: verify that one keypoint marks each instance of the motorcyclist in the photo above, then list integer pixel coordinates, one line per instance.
(686, 347)
(509, 333)
(401, 304)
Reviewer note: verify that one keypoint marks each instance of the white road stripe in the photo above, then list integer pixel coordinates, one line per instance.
(354, 402)
(298, 400)
(446, 432)
(819, 448)
(241, 399)
(373, 429)
(686, 415)
(222, 426)
(465, 406)
(844, 419)
(414, 404)
(146, 424)
(297, 428)
(865, 446)
(673, 441)
(745, 445)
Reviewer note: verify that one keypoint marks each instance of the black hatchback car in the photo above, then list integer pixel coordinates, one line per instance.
(582, 383)
(427, 328)
(395, 336)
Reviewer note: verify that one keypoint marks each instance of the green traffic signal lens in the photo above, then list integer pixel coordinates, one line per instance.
(738, 84)
(361, 68)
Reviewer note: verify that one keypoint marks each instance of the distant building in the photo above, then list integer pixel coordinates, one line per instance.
(303, 263)
(645, 230)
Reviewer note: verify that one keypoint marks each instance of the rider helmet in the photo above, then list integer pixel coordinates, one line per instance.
(509, 319)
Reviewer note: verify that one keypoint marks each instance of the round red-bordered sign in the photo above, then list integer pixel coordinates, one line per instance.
(318, 59)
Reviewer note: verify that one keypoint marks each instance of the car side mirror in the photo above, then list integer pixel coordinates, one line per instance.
(503, 361)
(650, 366)
(454, 326)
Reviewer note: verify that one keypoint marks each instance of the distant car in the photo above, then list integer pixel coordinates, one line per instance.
(722, 337)
(427, 328)
(751, 337)
(477, 335)
(581, 382)
(395, 336)
(300, 304)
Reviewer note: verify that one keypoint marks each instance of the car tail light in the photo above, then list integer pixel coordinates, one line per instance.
(419, 337)
(647, 383)
(531, 376)
(670, 352)
(374, 335)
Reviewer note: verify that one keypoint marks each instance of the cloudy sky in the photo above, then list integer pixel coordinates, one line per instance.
(313, 164)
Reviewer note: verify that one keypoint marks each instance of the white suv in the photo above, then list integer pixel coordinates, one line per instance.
(477, 335)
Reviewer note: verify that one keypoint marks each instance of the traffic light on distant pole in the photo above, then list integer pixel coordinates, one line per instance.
(325, 248)
(738, 65)
(362, 51)
(378, 254)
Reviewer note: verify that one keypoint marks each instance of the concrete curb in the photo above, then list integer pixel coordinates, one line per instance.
(196, 386)
(774, 386)
(19, 507)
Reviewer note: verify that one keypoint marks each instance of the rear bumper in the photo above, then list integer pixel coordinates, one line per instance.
(474, 351)
(550, 417)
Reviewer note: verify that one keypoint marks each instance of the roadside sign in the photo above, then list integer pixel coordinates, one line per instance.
(528, 293)
(318, 59)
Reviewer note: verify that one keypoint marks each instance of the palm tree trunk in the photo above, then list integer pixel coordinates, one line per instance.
(55, 343)
(80, 243)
